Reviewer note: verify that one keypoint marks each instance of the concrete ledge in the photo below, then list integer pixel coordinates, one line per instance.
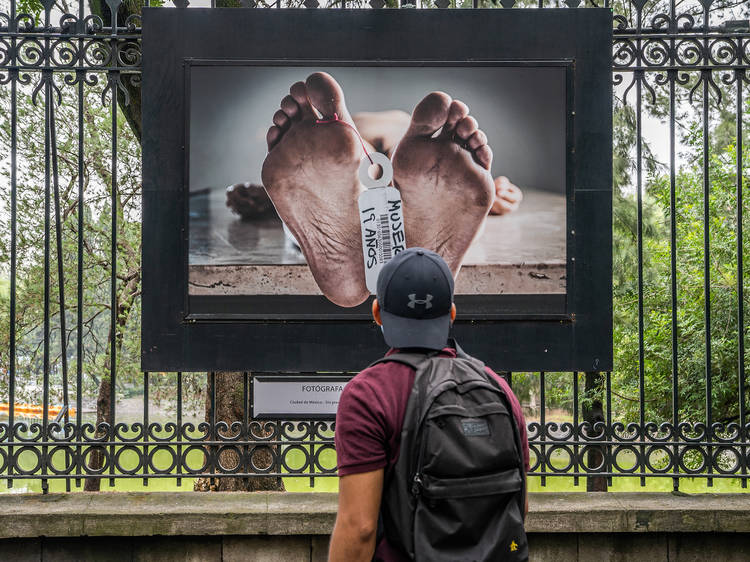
(636, 512)
(167, 513)
(280, 513)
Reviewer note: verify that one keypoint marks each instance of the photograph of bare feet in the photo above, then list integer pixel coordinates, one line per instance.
(478, 156)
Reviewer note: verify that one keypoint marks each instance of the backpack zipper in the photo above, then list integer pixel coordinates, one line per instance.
(417, 483)
(416, 486)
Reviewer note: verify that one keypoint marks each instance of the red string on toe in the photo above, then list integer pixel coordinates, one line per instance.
(336, 119)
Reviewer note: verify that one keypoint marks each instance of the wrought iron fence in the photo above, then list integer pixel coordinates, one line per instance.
(61, 222)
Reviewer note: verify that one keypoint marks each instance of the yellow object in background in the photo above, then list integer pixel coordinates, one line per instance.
(34, 410)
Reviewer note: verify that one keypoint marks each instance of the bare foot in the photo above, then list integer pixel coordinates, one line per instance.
(444, 180)
(310, 174)
(508, 197)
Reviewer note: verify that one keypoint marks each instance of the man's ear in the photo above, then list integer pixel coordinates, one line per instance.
(376, 312)
(453, 312)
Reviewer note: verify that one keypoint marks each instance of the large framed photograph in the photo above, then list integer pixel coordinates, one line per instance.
(241, 251)
(254, 133)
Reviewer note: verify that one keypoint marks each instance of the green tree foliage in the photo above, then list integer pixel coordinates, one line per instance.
(690, 264)
(97, 222)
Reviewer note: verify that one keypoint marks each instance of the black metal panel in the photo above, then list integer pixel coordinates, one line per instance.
(176, 337)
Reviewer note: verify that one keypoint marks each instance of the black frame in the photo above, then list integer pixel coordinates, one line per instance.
(575, 336)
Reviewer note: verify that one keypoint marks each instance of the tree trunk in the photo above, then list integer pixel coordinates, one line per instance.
(229, 398)
(103, 408)
(124, 304)
(593, 414)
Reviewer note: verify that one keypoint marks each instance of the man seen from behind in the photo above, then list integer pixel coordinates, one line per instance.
(431, 444)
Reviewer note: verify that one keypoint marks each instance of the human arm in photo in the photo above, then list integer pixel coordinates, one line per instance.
(355, 531)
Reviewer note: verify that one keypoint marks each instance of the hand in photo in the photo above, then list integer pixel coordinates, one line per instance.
(508, 197)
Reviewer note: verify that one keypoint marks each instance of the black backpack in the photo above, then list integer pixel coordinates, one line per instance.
(457, 489)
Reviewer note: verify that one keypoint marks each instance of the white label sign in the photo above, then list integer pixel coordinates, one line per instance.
(381, 218)
(295, 397)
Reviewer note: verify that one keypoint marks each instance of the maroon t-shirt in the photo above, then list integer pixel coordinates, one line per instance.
(370, 416)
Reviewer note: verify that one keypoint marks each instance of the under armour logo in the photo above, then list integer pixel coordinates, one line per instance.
(414, 301)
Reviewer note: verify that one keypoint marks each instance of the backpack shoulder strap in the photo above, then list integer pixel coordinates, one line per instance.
(461, 354)
(412, 360)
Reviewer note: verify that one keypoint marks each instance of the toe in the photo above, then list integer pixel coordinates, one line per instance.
(457, 111)
(466, 127)
(476, 140)
(281, 119)
(326, 95)
(483, 156)
(272, 136)
(290, 107)
(430, 114)
(299, 92)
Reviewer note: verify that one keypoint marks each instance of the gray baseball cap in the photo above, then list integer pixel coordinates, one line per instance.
(415, 293)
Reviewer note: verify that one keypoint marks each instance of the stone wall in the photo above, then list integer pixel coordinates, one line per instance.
(290, 527)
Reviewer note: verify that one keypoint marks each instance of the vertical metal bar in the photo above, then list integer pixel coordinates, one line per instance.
(740, 288)
(214, 458)
(113, 285)
(639, 195)
(312, 453)
(639, 77)
(542, 428)
(706, 265)
(113, 80)
(60, 273)
(245, 423)
(80, 77)
(576, 434)
(145, 428)
(13, 227)
(47, 78)
(276, 436)
(179, 427)
(673, 272)
(608, 433)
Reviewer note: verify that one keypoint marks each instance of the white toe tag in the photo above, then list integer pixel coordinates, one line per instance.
(381, 218)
